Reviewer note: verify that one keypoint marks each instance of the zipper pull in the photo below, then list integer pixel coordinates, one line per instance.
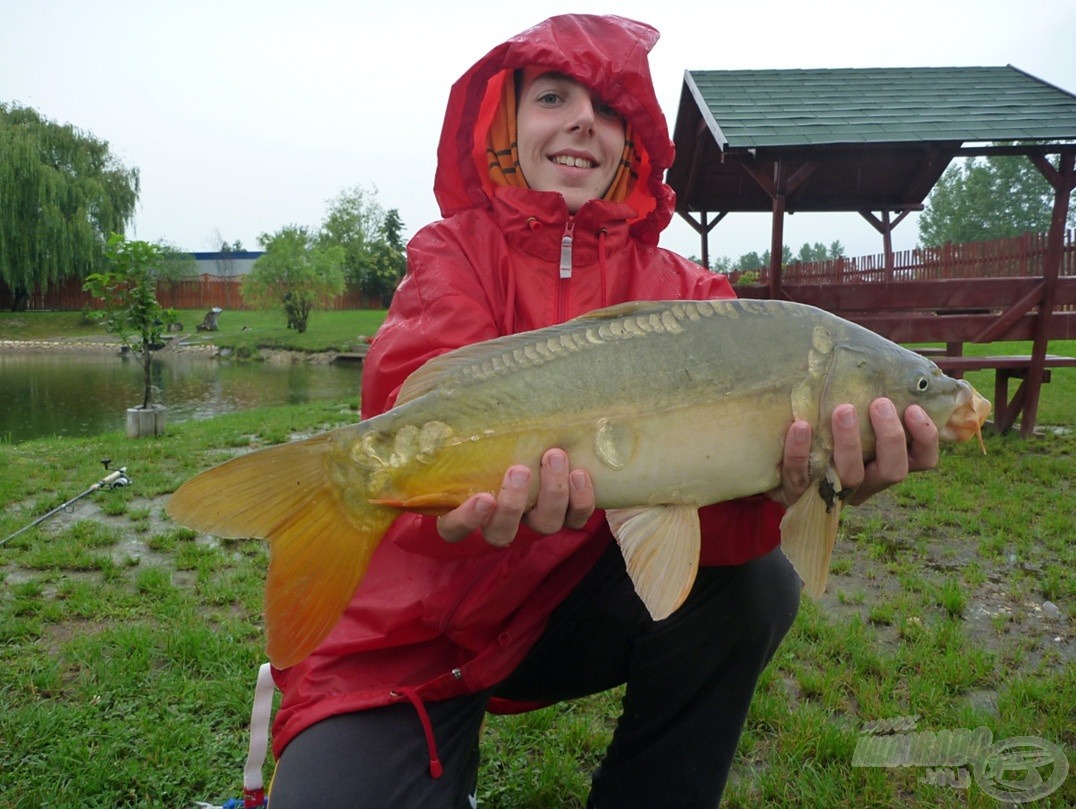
(566, 252)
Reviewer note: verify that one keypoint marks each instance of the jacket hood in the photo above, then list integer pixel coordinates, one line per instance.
(608, 54)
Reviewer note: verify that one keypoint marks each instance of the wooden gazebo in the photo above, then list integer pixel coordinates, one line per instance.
(868, 140)
(876, 141)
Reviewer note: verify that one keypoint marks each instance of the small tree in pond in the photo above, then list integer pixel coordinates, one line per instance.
(131, 311)
(295, 273)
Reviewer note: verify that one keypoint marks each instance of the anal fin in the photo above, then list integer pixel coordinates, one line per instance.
(661, 548)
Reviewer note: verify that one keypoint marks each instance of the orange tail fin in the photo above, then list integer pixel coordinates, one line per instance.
(319, 548)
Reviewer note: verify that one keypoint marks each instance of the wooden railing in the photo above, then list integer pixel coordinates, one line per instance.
(1019, 256)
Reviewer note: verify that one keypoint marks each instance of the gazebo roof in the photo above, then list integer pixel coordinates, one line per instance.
(872, 139)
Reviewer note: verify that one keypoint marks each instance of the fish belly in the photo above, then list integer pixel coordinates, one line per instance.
(696, 454)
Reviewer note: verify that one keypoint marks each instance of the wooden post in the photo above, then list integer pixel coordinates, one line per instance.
(705, 236)
(1063, 180)
(777, 237)
(887, 245)
(703, 228)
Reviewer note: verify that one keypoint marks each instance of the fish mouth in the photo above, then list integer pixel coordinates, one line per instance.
(968, 418)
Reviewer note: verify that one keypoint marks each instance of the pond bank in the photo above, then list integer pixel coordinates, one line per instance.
(100, 345)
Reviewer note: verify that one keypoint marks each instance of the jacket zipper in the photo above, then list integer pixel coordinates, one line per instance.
(565, 269)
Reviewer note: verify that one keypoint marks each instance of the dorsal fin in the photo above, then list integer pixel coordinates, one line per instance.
(439, 370)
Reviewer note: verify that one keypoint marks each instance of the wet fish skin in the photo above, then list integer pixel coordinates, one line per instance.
(669, 406)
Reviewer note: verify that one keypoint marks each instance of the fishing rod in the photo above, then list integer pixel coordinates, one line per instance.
(114, 479)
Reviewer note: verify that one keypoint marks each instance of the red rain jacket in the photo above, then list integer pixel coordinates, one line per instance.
(433, 620)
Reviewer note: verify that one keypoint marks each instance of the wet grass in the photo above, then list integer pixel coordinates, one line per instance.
(128, 645)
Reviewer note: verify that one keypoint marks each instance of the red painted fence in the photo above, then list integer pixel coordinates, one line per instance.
(1001, 258)
(203, 292)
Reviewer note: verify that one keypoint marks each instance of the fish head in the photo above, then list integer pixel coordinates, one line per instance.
(953, 404)
(862, 373)
(968, 417)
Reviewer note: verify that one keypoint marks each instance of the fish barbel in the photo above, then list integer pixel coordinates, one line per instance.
(669, 406)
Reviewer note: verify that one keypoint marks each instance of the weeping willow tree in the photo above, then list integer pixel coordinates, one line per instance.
(62, 193)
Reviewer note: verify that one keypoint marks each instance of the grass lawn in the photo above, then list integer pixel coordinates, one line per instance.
(129, 645)
(241, 330)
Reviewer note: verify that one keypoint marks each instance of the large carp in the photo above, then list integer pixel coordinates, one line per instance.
(668, 405)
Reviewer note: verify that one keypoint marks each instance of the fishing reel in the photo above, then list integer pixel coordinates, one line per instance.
(115, 478)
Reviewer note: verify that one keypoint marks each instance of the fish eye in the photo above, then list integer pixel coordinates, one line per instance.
(922, 384)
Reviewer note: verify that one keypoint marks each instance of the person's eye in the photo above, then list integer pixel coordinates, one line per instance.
(548, 98)
(605, 111)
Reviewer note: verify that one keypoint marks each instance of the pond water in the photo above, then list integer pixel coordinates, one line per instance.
(86, 393)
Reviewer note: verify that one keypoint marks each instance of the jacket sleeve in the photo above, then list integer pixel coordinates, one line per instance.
(442, 304)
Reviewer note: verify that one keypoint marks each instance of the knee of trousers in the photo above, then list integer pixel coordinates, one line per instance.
(762, 596)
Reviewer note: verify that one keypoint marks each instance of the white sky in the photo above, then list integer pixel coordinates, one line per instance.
(243, 117)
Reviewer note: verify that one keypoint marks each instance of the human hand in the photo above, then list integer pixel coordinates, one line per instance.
(565, 500)
(899, 449)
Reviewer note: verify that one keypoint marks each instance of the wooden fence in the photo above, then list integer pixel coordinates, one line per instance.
(203, 292)
(1019, 256)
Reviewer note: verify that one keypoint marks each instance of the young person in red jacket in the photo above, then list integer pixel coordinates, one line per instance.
(550, 180)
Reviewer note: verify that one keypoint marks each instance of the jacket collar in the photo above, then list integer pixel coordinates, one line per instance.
(535, 222)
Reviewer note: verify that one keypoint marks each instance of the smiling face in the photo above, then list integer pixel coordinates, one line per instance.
(569, 140)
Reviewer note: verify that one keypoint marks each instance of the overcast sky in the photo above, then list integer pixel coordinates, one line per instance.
(243, 117)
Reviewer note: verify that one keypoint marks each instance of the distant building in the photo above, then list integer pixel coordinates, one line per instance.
(227, 263)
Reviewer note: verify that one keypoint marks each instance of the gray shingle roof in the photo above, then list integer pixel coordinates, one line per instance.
(868, 138)
(767, 108)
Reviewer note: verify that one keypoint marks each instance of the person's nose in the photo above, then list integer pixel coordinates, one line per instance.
(583, 116)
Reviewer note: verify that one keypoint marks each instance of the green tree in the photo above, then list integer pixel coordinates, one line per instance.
(296, 272)
(753, 261)
(992, 198)
(62, 193)
(131, 311)
(176, 266)
(372, 241)
(809, 253)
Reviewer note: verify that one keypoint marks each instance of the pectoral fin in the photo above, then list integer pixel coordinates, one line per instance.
(809, 531)
(661, 548)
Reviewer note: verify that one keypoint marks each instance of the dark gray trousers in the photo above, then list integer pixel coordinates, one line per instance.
(690, 679)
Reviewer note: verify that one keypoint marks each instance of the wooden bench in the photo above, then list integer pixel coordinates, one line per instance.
(960, 311)
(1006, 367)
